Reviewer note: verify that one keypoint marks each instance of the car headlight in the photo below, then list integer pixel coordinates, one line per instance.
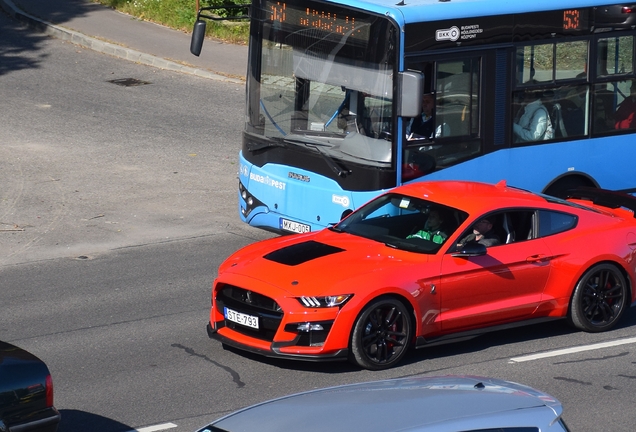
(324, 301)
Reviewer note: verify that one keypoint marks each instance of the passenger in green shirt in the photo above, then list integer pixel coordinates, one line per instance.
(432, 229)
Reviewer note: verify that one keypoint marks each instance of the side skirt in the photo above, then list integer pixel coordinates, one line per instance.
(470, 334)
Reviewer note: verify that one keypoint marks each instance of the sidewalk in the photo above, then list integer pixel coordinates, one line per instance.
(105, 30)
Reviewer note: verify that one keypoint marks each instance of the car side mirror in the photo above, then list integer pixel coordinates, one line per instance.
(470, 249)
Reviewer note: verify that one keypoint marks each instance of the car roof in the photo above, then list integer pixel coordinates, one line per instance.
(472, 197)
(407, 404)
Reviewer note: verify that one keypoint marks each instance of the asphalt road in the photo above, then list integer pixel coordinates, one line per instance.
(89, 165)
(118, 204)
(123, 334)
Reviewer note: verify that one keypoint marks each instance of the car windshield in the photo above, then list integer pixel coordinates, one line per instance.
(404, 222)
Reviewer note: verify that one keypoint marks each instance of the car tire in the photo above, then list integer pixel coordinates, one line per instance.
(599, 299)
(381, 334)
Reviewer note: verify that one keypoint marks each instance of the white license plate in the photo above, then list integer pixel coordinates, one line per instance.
(241, 318)
(295, 227)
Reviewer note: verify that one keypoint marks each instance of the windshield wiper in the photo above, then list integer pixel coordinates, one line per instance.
(254, 146)
(306, 139)
(315, 144)
(340, 172)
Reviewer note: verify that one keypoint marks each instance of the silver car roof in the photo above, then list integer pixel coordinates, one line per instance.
(448, 403)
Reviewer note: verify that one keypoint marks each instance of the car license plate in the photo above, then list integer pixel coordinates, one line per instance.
(295, 227)
(241, 318)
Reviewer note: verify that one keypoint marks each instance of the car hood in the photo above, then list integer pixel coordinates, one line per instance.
(318, 263)
(446, 403)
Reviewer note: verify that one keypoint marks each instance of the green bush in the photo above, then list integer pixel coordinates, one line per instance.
(181, 14)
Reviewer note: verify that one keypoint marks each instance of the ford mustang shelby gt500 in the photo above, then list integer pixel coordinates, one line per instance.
(427, 263)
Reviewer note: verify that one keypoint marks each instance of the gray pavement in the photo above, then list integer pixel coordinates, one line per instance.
(88, 167)
(105, 30)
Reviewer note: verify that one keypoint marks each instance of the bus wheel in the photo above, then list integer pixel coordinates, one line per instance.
(381, 334)
(560, 188)
(599, 299)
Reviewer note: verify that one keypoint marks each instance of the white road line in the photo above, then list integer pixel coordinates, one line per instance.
(572, 350)
(155, 428)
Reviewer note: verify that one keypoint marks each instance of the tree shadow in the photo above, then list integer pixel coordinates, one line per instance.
(22, 29)
(82, 421)
(17, 46)
(52, 11)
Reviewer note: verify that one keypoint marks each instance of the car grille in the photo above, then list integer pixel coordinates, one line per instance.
(248, 302)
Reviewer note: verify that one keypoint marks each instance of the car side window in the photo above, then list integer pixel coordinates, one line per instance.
(517, 226)
(551, 222)
(512, 226)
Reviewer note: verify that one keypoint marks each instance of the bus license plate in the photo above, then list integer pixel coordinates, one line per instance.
(241, 318)
(295, 227)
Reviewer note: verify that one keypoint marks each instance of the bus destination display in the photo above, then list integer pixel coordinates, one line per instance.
(331, 21)
(572, 19)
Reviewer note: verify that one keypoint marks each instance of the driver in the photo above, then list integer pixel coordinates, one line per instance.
(482, 234)
(432, 229)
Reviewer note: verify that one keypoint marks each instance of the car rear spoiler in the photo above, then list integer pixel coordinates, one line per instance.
(604, 197)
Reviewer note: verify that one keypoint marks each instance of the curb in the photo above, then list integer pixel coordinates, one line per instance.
(106, 47)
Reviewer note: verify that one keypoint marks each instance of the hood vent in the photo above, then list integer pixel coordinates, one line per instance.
(301, 253)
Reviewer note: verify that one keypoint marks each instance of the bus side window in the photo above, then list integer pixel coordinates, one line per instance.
(604, 109)
(613, 107)
(573, 103)
(556, 73)
(457, 96)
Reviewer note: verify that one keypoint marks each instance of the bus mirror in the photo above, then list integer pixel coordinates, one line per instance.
(411, 84)
(198, 34)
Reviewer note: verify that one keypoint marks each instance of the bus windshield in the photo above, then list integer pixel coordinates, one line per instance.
(321, 80)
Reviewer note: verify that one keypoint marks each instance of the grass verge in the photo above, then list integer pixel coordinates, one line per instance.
(180, 15)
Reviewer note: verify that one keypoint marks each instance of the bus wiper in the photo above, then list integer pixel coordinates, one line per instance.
(306, 139)
(340, 172)
(260, 145)
(315, 144)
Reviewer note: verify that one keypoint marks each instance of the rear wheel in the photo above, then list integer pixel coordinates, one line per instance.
(599, 299)
(381, 334)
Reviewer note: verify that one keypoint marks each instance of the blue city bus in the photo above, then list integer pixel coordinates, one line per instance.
(536, 93)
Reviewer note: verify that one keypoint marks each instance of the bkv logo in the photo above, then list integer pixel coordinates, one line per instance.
(451, 34)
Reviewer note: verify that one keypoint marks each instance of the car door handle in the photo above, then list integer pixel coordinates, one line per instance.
(537, 258)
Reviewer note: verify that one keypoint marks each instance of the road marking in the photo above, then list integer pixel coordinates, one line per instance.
(155, 428)
(572, 350)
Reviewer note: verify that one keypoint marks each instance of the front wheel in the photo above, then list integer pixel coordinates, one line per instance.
(381, 334)
(599, 299)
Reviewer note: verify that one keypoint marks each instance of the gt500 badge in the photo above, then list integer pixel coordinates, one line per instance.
(342, 200)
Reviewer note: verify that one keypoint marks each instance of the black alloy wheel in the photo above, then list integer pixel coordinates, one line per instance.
(381, 335)
(599, 299)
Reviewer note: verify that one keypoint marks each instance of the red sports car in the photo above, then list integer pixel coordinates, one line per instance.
(427, 263)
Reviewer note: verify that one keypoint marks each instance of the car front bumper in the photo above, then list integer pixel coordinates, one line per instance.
(276, 349)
